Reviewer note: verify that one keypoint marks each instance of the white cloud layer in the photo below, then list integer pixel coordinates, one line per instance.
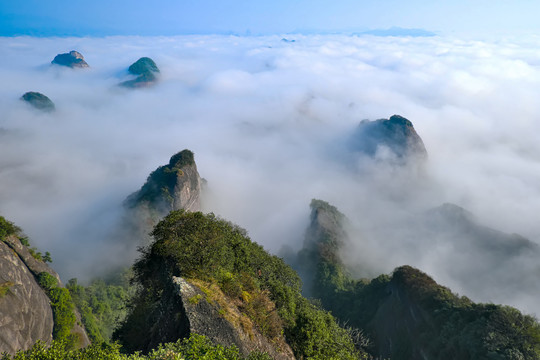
(267, 121)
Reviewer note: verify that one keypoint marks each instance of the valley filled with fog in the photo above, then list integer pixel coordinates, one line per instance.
(270, 123)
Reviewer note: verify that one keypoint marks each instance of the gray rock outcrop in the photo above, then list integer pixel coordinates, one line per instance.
(206, 317)
(38, 100)
(72, 59)
(174, 186)
(25, 313)
(187, 308)
(34, 265)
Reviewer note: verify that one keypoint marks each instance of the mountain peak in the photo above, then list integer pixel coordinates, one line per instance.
(38, 100)
(174, 186)
(73, 59)
(146, 71)
(396, 134)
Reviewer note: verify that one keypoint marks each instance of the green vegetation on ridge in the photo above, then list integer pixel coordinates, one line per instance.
(159, 187)
(408, 315)
(143, 66)
(7, 228)
(102, 305)
(198, 246)
(63, 310)
(195, 348)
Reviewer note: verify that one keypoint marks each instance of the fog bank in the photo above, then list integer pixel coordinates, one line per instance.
(267, 121)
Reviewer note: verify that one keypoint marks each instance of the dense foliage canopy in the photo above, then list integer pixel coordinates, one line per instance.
(195, 348)
(102, 304)
(201, 246)
(408, 313)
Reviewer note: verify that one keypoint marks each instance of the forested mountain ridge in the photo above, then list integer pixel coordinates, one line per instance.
(201, 283)
(407, 315)
(215, 254)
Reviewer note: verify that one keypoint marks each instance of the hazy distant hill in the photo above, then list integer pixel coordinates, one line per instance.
(407, 315)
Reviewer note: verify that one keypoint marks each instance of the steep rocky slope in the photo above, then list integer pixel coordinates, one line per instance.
(29, 312)
(174, 186)
(25, 313)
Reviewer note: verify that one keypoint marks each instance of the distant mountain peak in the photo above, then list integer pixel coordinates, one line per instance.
(146, 71)
(398, 31)
(38, 100)
(73, 59)
(396, 134)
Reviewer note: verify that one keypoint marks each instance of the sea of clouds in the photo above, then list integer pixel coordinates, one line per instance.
(268, 121)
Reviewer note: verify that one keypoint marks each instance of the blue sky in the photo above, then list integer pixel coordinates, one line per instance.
(172, 17)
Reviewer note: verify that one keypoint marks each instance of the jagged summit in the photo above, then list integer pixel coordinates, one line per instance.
(73, 59)
(396, 134)
(146, 71)
(38, 100)
(174, 186)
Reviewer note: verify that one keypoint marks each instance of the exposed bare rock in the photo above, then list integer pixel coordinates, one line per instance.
(34, 265)
(224, 323)
(174, 186)
(196, 307)
(73, 59)
(25, 313)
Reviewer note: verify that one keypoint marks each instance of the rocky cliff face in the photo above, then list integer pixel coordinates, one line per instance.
(25, 308)
(224, 324)
(197, 307)
(174, 186)
(25, 313)
(393, 139)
